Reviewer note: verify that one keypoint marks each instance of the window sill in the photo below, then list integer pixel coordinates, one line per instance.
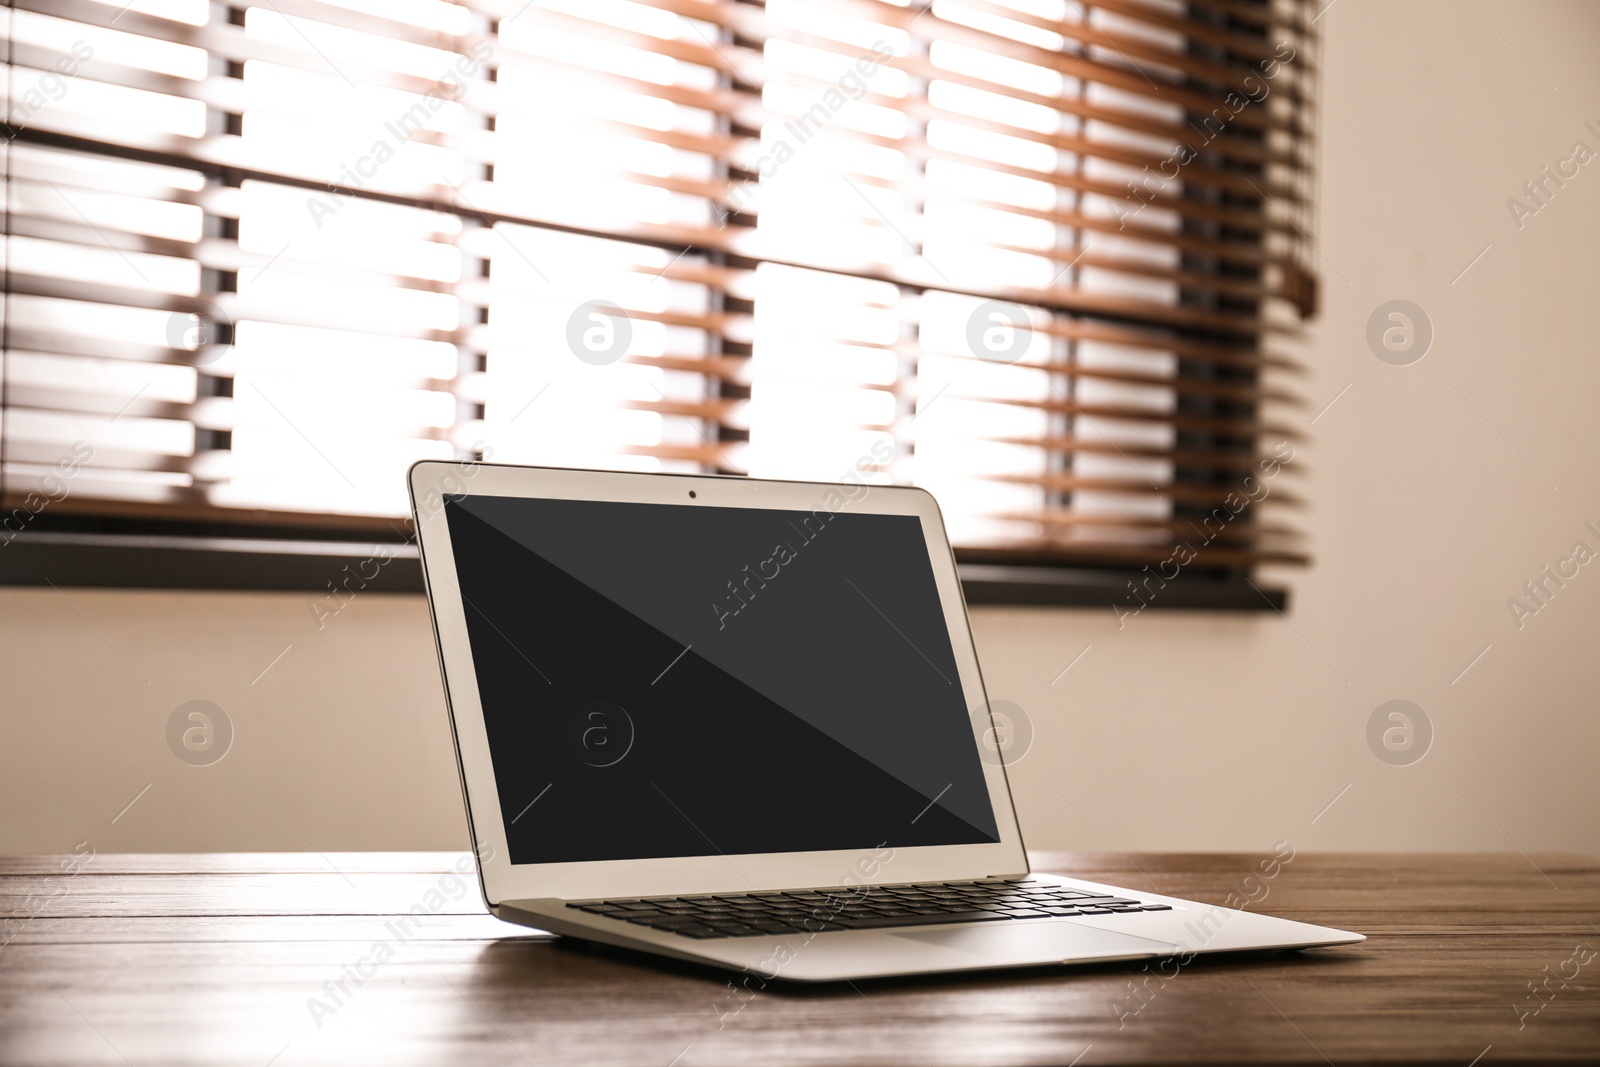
(1069, 587)
(139, 561)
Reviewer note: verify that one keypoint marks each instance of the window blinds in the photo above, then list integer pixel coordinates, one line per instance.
(1039, 256)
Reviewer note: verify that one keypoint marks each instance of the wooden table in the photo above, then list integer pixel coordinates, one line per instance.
(225, 960)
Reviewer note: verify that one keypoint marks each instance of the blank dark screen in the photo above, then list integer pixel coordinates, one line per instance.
(662, 680)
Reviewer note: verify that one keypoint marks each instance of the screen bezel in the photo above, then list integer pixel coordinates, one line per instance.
(431, 481)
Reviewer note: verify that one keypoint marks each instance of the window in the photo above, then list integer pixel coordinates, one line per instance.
(1039, 256)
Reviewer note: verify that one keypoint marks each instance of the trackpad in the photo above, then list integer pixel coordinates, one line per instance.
(1039, 942)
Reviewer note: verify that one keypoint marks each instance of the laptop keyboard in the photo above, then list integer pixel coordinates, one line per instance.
(821, 911)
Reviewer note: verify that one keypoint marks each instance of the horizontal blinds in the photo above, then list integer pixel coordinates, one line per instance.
(1036, 255)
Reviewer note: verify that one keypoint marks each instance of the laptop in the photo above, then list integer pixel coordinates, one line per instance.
(741, 722)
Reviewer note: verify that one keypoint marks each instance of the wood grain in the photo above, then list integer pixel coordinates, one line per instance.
(213, 960)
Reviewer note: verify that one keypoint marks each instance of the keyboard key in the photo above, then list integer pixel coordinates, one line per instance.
(878, 921)
(699, 933)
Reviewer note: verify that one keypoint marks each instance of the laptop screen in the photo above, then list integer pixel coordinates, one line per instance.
(664, 680)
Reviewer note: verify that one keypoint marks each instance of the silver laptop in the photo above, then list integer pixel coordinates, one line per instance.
(740, 722)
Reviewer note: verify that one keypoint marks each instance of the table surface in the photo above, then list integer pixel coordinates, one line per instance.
(235, 959)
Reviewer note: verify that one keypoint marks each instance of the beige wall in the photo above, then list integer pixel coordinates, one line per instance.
(1430, 507)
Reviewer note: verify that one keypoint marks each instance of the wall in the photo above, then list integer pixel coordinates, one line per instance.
(1436, 490)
